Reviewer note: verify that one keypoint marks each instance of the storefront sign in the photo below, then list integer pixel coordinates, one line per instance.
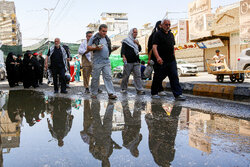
(187, 46)
(210, 44)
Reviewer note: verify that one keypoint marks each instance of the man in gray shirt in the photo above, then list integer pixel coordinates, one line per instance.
(101, 46)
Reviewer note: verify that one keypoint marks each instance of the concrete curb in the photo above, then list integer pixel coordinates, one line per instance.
(223, 91)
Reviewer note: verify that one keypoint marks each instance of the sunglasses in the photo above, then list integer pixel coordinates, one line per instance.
(167, 24)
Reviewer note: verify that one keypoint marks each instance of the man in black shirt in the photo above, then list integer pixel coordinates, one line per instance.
(165, 65)
(57, 58)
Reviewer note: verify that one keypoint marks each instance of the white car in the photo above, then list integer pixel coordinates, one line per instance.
(2, 71)
(244, 61)
(184, 68)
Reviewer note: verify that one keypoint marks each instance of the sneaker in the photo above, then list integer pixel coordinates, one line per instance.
(140, 92)
(162, 93)
(123, 91)
(87, 91)
(112, 96)
(56, 91)
(64, 92)
(156, 97)
(99, 91)
(180, 98)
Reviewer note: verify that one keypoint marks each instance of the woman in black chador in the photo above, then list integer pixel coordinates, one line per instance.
(19, 68)
(29, 73)
(11, 69)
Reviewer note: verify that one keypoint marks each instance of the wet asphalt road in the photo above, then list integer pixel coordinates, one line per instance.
(40, 128)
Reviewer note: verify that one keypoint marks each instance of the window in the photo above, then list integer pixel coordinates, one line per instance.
(248, 52)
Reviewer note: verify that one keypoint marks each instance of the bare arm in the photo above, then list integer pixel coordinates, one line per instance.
(149, 56)
(46, 63)
(156, 54)
(91, 48)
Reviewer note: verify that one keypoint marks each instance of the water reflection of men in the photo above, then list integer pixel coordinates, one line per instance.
(87, 123)
(131, 134)
(101, 144)
(27, 103)
(162, 132)
(61, 119)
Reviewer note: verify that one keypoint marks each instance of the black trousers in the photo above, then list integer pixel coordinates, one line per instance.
(160, 73)
(41, 76)
(61, 72)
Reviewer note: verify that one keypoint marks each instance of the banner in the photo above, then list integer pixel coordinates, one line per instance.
(245, 21)
(182, 31)
(197, 11)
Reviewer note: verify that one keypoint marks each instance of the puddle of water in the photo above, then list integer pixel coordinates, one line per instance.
(40, 130)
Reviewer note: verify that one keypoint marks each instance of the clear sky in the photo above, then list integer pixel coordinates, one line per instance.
(71, 17)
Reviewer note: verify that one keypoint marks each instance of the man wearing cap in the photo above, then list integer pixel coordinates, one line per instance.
(219, 58)
(57, 59)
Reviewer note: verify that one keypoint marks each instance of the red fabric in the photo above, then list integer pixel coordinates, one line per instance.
(72, 70)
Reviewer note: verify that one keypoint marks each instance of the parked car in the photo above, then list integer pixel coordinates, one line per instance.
(2, 71)
(244, 61)
(185, 68)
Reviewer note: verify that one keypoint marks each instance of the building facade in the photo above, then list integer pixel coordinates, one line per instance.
(117, 23)
(9, 27)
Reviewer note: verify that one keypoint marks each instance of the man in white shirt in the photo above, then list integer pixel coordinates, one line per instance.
(86, 61)
(218, 58)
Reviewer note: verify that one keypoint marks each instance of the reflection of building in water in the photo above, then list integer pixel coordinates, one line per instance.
(203, 126)
(10, 132)
(3, 100)
(197, 131)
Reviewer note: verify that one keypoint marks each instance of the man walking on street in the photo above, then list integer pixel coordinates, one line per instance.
(165, 65)
(100, 44)
(57, 59)
(86, 61)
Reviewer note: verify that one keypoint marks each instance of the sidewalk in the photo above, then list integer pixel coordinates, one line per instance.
(205, 84)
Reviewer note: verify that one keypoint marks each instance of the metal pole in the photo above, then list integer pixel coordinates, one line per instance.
(48, 10)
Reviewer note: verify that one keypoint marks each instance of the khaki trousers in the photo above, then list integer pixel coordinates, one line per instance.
(86, 69)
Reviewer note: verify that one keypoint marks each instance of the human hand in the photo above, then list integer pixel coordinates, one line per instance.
(98, 48)
(124, 60)
(159, 60)
(136, 42)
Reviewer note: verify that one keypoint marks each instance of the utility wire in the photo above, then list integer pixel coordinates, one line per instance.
(54, 8)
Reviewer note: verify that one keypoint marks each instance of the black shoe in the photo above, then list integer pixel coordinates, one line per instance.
(87, 91)
(180, 98)
(56, 91)
(41, 83)
(99, 91)
(64, 92)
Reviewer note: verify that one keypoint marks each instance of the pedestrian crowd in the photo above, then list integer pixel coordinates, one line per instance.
(28, 70)
(94, 53)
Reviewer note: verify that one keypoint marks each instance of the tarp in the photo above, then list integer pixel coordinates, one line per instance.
(116, 60)
(8, 48)
(44, 44)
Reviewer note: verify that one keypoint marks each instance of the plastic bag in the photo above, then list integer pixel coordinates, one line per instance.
(149, 69)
